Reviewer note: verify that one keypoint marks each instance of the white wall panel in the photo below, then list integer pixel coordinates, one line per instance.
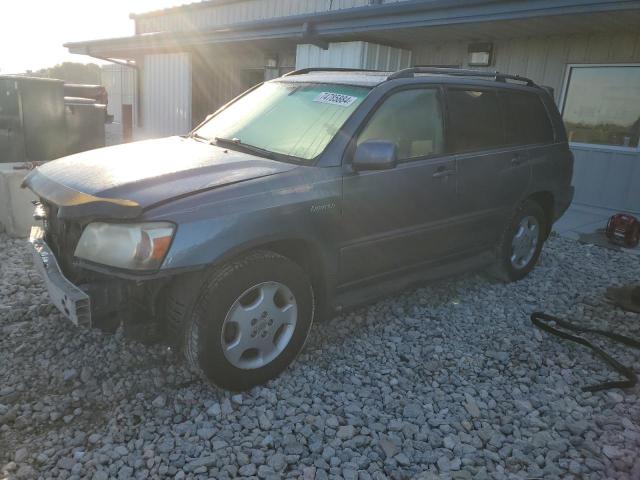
(166, 94)
(120, 83)
(608, 179)
(353, 55)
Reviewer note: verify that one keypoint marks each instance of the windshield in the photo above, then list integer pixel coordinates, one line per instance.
(296, 120)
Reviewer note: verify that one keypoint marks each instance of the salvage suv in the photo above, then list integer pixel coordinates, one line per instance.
(307, 194)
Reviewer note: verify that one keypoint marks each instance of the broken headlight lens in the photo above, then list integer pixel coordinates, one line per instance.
(134, 246)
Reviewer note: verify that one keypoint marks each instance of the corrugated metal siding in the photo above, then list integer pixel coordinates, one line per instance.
(604, 178)
(218, 76)
(120, 83)
(338, 55)
(249, 10)
(353, 55)
(384, 57)
(166, 94)
(544, 59)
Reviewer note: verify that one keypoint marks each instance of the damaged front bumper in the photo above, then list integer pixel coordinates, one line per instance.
(72, 302)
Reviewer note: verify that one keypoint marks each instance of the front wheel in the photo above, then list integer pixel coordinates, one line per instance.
(521, 242)
(250, 320)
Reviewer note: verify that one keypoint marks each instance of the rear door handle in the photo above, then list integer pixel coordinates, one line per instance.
(442, 172)
(518, 160)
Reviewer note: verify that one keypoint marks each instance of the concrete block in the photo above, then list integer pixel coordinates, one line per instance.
(16, 207)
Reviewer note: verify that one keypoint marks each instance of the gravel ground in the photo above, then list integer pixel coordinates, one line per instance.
(448, 380)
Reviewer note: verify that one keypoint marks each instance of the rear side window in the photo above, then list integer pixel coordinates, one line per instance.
(526, 119)
(474, 119)
(412, 119)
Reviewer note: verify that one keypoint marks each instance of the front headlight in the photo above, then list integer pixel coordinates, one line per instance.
(134, 246)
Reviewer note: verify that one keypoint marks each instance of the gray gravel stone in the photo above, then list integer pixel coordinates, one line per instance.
(214, 410)
(346, 432)
(20, 455)
(248, 470)
(277, 462)
(388, 446)
(471, 406)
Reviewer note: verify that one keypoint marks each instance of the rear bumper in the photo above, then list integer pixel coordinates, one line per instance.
(72, 302)
(563, 202)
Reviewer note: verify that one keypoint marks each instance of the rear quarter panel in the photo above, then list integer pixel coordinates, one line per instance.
(552, 165)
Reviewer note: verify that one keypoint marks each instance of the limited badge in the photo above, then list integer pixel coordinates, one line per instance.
(335, 99)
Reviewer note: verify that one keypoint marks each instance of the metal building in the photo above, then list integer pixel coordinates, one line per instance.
(192, 59)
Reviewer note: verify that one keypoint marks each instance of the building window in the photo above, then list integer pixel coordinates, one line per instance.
(602, 105)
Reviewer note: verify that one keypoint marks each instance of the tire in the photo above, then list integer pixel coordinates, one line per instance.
(508, 269)
(106, 323)
(213, 337)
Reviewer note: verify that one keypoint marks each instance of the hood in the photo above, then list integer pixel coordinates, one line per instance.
(125, 179)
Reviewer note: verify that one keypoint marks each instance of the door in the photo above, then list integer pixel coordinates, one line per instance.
(493, 170)
(528, 126)
(398, 218)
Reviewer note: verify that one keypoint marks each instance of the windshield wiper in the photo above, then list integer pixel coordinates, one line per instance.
(236, 142)
(197, 136)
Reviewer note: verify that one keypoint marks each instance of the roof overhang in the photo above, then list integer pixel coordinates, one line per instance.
(382, 21)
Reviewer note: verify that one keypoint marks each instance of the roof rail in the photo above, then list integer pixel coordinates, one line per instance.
(460, 72)
(302, 71)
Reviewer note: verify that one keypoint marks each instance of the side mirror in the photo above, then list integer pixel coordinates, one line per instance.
(375, 155)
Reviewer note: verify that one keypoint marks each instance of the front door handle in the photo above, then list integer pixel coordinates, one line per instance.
(443, 172)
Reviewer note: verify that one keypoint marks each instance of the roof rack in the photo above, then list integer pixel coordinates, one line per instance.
(302, 71)
(461, 72)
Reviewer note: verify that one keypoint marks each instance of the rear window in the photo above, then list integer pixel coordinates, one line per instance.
(526, 119)
(475, 120)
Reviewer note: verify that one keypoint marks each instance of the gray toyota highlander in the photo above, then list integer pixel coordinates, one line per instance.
(313, 192)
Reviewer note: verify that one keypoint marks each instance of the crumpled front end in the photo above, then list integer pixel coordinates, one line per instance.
(85, 297)
(67, 297)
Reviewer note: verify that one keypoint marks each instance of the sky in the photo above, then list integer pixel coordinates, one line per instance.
(32, 31)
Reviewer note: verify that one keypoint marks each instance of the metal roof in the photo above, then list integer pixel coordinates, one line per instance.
(184, 6)
(340, 25)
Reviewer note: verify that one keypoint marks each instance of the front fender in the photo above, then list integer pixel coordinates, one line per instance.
(304, 207)
(209, 243)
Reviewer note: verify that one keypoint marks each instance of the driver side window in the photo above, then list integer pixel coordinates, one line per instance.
(412, 119)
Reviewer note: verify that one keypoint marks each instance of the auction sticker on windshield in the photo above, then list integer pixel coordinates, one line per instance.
(335, 99)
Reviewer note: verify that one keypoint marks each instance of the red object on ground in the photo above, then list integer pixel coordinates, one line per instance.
(623, 229)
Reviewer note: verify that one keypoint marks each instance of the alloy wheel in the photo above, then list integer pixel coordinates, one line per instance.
(259, 325)
(525, 242)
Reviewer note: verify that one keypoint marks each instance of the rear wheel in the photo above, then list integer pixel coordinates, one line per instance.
(249, 321)
(521, 242)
